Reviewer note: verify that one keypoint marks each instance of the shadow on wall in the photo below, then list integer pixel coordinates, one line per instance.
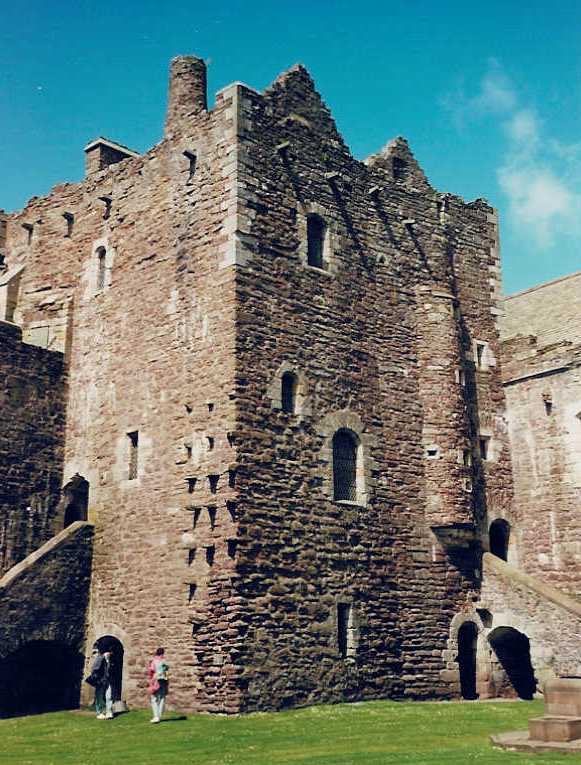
(516, 676)
(41, 676)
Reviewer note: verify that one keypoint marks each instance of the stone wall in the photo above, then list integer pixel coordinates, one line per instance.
(541, 373)
(365, 336)
(43, 603)
(32, 389)
(550, 619)
(181, 295)
(149, 343)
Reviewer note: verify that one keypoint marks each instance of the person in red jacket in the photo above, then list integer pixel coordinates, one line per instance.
(157, 673)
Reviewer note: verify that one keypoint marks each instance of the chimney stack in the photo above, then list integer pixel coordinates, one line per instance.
(187, 92)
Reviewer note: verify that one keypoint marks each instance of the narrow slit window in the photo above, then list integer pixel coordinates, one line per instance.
(315, 240)
(484, 444)
(346, 630)
(192, 161)
(133, 439)
(345, 466)
(289, 392)
(101, 268)
(70, 222)
(480, 354)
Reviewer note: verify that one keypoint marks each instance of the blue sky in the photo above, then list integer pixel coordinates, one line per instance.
(488, 95)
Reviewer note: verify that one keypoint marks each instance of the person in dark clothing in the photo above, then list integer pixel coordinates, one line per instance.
(101, 671)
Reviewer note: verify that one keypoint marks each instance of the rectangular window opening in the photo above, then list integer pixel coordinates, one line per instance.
(133, 454)
(70, 221)
(343, 627)
(484, 443)
(192, 161)
(480, 354)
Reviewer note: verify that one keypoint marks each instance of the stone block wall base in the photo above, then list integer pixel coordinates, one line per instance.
(519, 741)
(554, 728)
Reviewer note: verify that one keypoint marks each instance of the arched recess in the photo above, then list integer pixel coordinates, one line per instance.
(115, 646)
(498, 538)
(349, 423)
(288, 390)
(467, 645)
(75, 500)
(41, 676)
(516, 676)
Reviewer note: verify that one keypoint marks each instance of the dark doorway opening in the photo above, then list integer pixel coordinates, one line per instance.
(41, 676)
(467, 642)
(499, 535)
(513, 650)
(110, 643)
(76, 500)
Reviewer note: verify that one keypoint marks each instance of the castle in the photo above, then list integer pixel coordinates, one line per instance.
(263, 404)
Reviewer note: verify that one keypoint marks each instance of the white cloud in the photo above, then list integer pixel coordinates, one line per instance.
(539, 175)
(539, 202)
(523, 129)
(496, 92)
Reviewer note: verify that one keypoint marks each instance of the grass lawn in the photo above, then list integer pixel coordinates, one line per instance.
(373, 733)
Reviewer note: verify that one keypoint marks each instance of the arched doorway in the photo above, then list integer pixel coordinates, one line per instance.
(76, 500)
(467, 642)
(513, 651)
(110, 643)
(41, 676)
(499, 534)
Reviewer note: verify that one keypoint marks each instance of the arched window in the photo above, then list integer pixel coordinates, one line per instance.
(101, 268)
(288, 392)
(345, 448)
(316, 229)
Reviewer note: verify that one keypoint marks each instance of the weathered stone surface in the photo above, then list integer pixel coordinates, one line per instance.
(181, 297)
(32, 406)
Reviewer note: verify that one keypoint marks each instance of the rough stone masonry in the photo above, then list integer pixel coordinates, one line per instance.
(268, 374)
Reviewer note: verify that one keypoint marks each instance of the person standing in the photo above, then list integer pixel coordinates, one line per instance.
(101, 672)
(157, 673)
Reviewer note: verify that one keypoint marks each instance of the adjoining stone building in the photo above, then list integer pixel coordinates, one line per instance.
(257, 416)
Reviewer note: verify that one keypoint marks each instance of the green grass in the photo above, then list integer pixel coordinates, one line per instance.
(374, 733)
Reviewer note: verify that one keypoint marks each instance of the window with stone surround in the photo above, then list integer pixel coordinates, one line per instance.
(101, 268)
(347, 633)
(133, 462)
(316, 235)
(345, 452)
(481, 354)
(288, 392)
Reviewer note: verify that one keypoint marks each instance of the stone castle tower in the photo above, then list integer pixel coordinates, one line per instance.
(254, 413)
